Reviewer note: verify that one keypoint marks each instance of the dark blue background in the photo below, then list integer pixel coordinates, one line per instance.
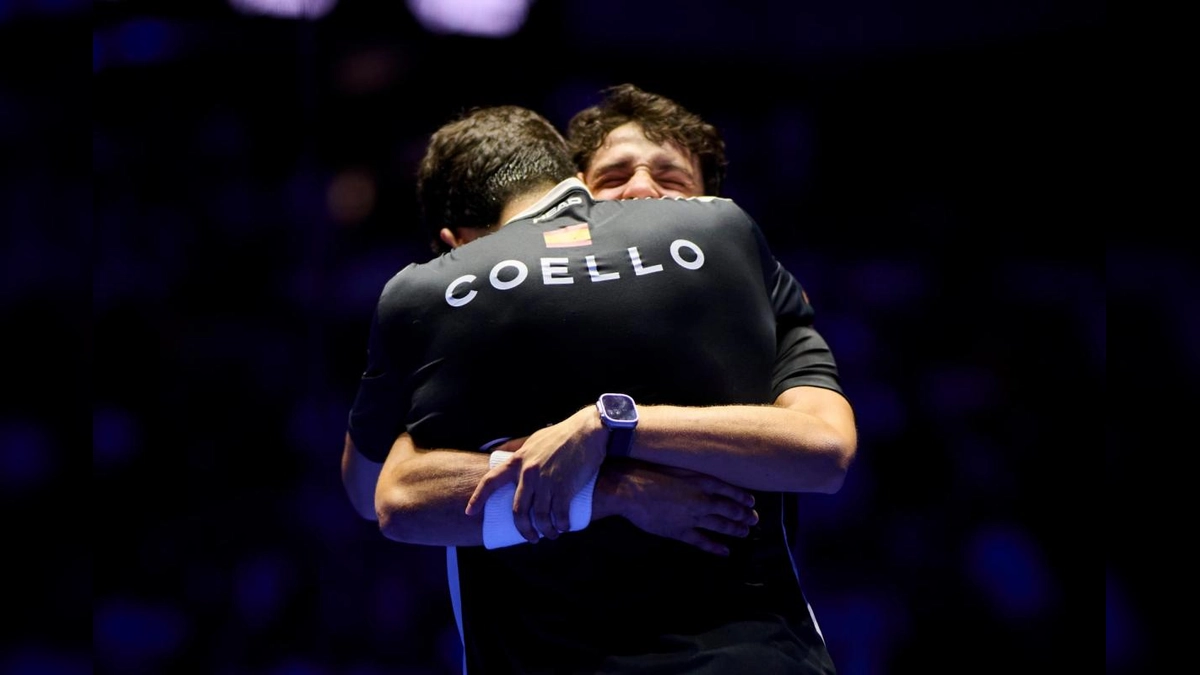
(920, 167)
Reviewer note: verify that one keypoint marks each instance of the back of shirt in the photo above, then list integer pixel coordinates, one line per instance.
(666, 300)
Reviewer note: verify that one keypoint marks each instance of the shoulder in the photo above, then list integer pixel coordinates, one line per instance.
(399, 290)
(399, 280)
(717, 206)
(723, 205)
(720, 211)
(688, 212)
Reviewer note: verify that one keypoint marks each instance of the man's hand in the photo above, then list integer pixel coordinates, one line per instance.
(549, 467)
(675, 503)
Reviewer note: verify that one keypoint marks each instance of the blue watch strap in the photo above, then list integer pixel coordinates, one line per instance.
(620, 441)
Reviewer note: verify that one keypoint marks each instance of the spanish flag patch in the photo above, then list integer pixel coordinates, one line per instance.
(572, 235)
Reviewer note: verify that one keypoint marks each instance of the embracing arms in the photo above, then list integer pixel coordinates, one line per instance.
(804, 443)
(421, 497)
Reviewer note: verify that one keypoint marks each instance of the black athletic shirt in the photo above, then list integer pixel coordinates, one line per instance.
(675, 301)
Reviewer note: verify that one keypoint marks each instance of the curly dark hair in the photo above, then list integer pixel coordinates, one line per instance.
(661, 119)
(474, 165)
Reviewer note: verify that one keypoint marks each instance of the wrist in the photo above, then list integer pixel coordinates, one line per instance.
(590, 432)
(499, 529)
(618, 416)
(590, 425)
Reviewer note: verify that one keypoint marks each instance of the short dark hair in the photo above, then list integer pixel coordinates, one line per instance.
(661, 119)
(477, 163)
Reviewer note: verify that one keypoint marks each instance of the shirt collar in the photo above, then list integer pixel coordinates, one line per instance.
(552, 197)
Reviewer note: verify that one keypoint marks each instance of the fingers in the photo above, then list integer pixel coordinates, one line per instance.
(711, 485)
(545, 469)
(548, 514)
(540, 515)
(499, 475)
(720, 525)
(734, 511)
(553, 520)
(560, 515)
(522, 507)
(712, 523)
(734, 493)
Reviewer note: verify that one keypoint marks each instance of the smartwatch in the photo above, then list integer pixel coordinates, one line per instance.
(618, 414)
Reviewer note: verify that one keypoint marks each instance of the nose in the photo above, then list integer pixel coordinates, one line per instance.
(641, 184)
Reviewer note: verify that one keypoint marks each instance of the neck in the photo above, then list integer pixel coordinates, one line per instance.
(521, 202)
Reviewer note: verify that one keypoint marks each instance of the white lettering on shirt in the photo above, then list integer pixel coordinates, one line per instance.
(459, 302)
(636, 259)
(557, 271)
(686, 264)
(550, 266)
(494, 277)
(594, 272)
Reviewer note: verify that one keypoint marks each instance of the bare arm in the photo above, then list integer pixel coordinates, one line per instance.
(421, 495)
(805, 442)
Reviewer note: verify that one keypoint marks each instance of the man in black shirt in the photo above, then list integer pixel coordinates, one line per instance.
(635, 144)
(674, 302)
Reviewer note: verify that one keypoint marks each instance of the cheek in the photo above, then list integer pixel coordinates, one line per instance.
(607, 193)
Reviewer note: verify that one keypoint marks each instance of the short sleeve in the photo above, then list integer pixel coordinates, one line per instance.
(377, 416)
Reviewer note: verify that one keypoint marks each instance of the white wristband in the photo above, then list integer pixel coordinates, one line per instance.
(499, 530)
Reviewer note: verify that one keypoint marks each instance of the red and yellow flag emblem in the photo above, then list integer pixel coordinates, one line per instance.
(572, 235)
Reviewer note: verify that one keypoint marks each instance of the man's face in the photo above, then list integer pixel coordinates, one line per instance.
(628, 166)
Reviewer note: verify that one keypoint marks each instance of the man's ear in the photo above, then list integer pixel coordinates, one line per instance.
(463, 235)
(579, 175)
(448, 238)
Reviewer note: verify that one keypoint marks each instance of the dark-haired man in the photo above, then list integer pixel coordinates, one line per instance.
(571, 301)
(637, 144)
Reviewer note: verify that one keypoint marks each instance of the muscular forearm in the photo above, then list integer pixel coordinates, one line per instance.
(803, 443)
(422, 494)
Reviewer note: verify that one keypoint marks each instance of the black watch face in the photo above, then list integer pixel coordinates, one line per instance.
(619, 408)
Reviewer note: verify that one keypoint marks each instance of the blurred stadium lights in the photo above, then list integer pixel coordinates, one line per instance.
(288, 9)
(351, 196)
(478, 18)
